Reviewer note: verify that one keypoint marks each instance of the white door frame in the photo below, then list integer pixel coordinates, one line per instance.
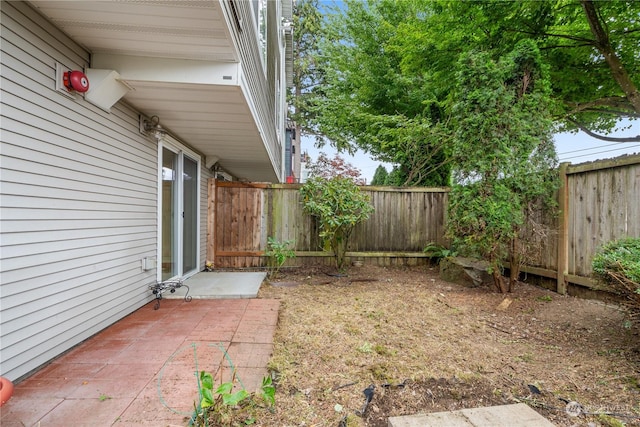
(181, 150)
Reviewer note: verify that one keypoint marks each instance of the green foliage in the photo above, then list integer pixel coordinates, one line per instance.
(438, 252)
(308, 29)
(268, 391)
(617, 263)
(278, 253)
(620, 257)
(583, 87)
(339, 205)
(365, 101)
(385, 81)
(380, 176)
(502, 153)
(223, 406)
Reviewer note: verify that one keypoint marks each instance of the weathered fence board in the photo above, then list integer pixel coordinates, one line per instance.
(238, 222)
(598, 202)
(604, 204)
(244, 215)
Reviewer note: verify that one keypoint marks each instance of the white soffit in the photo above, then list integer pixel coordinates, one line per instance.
(168, 70)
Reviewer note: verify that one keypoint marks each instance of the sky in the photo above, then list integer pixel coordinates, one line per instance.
(574, 148)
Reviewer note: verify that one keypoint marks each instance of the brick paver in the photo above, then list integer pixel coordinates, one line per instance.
(142, 370)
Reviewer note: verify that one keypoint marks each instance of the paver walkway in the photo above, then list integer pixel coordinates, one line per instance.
(516, 415)
(142, 370)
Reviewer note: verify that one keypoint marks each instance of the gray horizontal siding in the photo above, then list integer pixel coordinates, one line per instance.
(78, 201)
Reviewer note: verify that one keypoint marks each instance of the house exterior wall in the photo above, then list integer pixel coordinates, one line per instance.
(256, 79)
(78, 201)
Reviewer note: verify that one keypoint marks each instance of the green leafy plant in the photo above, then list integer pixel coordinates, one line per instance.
(278, 253)
(438, 252)
(223, 406)
(268, 391)
(339, 205)
(617, 264)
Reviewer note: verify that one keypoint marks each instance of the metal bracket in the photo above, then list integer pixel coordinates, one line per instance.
(171, 285)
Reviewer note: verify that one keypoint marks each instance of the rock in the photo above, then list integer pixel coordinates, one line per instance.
(504, 304)
(469, 272)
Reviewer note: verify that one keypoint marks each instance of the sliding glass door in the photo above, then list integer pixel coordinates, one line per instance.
(179, 214)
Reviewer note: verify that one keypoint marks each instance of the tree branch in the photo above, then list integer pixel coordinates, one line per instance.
(603, 44)
(610, 101)
(620, 113)
(584, 40)
(602, 137)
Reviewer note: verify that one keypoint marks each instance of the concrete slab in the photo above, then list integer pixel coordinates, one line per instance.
(516, 415)
(220, 285)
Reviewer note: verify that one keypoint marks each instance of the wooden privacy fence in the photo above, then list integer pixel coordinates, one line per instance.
(598, 202)
(243, 215)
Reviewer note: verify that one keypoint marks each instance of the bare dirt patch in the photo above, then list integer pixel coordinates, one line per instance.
(427, 345)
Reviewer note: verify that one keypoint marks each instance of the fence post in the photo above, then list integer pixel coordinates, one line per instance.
(211, 226)
(563, 229)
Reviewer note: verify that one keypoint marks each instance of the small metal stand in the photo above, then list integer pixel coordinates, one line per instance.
(171, 285)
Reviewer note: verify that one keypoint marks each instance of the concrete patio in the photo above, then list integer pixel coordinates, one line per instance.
(142, 370)
(220, 285)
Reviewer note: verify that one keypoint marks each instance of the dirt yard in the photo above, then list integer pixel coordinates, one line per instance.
(427, 345)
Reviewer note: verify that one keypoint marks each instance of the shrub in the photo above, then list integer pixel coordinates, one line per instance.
(339, 205)
(278, 253)
(617, 263)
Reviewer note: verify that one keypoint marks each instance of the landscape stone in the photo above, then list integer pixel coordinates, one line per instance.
(469, 272)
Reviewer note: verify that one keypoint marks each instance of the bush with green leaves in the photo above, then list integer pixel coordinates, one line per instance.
(223, 406)
(617, 263)
(339, 205)
(278, 253)
(438, 252)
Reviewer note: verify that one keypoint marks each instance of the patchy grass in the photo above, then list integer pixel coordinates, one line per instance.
(428, 345)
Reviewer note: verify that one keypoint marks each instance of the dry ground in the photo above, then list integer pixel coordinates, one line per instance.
(429, 345)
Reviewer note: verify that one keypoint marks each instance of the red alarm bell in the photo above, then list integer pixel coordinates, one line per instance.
(75, 80)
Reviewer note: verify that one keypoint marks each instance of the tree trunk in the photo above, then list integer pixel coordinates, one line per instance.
(340, 251)
(603, 44)
(498, 279)
(516, 260)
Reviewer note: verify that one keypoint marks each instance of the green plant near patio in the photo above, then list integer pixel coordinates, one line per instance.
(339, 206)
(278, 253)
(223, 406)
(617, 264)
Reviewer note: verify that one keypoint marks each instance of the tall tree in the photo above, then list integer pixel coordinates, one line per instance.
(387, 84)
(380, 176)
(366, 101)
(503, 154)
(592, 48)
(307, 30)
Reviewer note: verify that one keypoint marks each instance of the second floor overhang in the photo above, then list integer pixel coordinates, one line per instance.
(182, 61)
